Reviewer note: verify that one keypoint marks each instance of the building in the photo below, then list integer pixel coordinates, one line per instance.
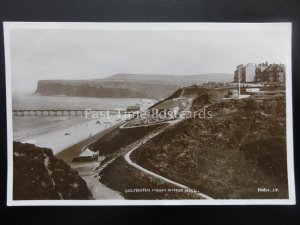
(133, 108)
(249, 72)
(238, 73)
(270, 73)
(87, 156)
(245, 73)
(263, 72)
(232, 93)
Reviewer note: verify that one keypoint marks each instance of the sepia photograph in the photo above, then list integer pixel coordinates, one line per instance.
(149, 113)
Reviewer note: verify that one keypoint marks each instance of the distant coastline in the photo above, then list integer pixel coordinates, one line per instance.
(126, 85)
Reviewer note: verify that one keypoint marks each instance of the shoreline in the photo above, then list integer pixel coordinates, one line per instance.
(64, 133)
(71, 148)
(86, 169)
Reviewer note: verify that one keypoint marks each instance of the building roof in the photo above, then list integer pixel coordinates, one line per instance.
(275, 67)
(133, 107)
(87, 153)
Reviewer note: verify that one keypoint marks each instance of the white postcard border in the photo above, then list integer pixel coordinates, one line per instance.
(7, 26)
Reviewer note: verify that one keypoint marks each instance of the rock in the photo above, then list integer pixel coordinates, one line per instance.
(39, 175)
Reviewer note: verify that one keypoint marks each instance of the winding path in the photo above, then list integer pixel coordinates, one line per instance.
(130, 162)
(127, 151)
(142, 141)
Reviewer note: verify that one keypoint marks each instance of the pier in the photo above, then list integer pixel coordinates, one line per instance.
(60, 112)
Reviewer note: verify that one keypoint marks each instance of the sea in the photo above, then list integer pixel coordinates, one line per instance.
(60, 132)
(39, 128)
(28, 101)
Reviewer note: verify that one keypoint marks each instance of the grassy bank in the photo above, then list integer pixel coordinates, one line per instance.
(234, 154)
(118, 138)
(122, 177)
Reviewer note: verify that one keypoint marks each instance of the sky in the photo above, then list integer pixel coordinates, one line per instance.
(37, 54)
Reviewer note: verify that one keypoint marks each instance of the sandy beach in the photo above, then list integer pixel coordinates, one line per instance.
(60, 133)
(68, 135)
(86, 169)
